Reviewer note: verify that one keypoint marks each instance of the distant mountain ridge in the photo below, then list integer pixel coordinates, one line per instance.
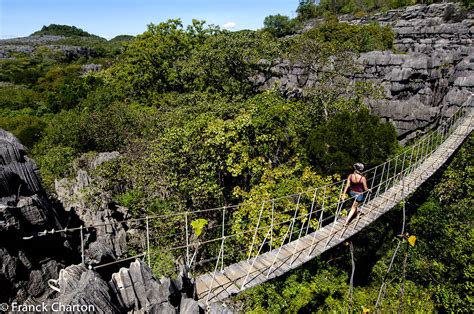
(71, 41)
(57, 30)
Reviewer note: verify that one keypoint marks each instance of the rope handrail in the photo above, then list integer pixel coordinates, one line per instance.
(200, 243)
(132, 220)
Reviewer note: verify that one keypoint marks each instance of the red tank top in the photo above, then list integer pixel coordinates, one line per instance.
(357, 186)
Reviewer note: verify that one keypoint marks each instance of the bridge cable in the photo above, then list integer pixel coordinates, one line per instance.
(402, 289)
(351, 281)
(383, 286)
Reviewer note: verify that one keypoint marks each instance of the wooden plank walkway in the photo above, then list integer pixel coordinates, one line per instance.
(230, 280)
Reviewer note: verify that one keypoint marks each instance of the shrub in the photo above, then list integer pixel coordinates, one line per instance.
(278, 25)
(348, 138)
(361, 38)
(54, 163)
(27, 129)
(16, 97)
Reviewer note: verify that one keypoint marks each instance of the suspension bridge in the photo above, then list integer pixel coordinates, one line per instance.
(397, 178)
(238, 247)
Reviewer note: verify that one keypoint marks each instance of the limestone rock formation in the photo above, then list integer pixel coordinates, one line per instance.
(27, 261)
(434, 76)
(420, 88)
(29, 45)
(91, 67)
(81, 287)
(426, 28)
(132, 289)
(31, 253)
(19, 174)
(136, 288)
(95, 207)
(430, 76)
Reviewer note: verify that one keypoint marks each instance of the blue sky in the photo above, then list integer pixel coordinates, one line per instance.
(108, 18)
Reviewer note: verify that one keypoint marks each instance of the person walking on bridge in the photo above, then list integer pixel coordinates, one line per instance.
(357, 186)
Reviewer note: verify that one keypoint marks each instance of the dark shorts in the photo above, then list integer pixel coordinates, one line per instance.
(359, 197)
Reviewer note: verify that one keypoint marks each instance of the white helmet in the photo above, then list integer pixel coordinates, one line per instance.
(359, 166)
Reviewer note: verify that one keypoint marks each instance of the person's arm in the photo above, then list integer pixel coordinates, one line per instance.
(364, 183)
(348, 184)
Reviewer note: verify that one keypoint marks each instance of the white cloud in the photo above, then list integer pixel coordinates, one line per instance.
(229, 25)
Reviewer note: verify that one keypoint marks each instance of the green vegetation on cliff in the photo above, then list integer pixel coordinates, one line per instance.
(280, 25)
(309, 9)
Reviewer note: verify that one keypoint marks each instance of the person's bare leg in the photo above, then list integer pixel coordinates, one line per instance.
(351, 213)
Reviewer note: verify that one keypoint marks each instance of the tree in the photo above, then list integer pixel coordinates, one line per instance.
(348, 138)
(201, 157)
(277, 181)
(278, 25)
(359, 38)
(152, 63)
(306, 10)
(332, 89)
(226, 62)
(168, 60)
(330, 52)
(17, 97)
(63, 87)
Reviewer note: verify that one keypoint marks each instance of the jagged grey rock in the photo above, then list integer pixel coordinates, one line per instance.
(99, 252)
(432, 74)
(136, 287)
(18, 174)
(162, 308)
(189, 306)
(92, 67)
(69, 277)
(132, 289)
(94, 206)
(9, 265)
(26, 264)
(49, 269)
(90, 290)
(36, 284)
(219, 308)
(29, 45)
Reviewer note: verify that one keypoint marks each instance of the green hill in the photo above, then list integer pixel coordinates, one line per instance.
(122, 38)
(62, 30)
